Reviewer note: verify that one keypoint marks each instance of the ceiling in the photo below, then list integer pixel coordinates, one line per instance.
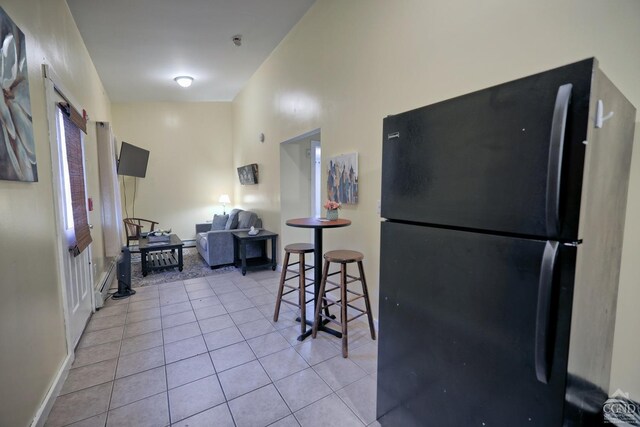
(139, 46)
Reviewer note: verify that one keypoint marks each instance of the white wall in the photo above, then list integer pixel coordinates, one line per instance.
(190, 161)
(32, 338)
(348, 64)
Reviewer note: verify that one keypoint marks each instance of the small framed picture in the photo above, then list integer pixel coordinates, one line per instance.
(248, 174)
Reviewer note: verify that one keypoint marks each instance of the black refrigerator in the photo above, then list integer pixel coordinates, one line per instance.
(503, 215)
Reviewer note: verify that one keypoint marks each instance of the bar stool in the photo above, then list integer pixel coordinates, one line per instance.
(342, 257)
(300, 249)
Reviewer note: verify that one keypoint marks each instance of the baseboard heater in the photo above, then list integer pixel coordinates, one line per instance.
(189, 243)
(103, 285)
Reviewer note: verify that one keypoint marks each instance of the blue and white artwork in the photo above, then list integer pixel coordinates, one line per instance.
(342, 180)
(17, 147)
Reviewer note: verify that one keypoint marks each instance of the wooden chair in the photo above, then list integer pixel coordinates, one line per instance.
(134, 226)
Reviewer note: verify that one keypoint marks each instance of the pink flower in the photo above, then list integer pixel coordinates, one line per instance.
(331, 205)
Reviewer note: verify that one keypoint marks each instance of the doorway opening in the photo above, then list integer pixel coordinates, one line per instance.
(300, 183)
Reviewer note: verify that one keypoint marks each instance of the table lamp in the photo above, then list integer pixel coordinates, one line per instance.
(224, 199)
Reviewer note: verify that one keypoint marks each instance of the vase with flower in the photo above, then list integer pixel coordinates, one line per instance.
(332, 209)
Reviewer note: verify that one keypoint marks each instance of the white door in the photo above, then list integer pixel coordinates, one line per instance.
(75, 272)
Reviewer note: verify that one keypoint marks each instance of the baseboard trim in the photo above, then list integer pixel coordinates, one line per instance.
(45, 407)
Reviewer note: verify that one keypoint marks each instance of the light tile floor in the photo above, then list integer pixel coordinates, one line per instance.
(205, 352)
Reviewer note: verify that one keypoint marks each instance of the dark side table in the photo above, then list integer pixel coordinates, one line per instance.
(240, 240)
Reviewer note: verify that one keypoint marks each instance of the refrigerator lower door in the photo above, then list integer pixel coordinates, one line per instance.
(474, 328)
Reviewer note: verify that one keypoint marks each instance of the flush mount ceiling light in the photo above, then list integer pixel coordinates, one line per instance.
(184, 81)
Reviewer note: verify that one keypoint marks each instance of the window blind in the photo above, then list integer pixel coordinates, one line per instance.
(75, 162)
(75, 116)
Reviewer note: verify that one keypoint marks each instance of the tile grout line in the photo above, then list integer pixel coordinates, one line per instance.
(344, 401)
(259, 363)
(312, 367)
(226, 402)
(274, 383)
(257, 359)
(113, 384)
(116, 358)
(135, 352)
(164, 359)
(262, 316)
(251, 349)
(112, 380)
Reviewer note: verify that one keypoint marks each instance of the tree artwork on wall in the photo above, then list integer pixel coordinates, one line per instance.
(17, 147)
(342, 180)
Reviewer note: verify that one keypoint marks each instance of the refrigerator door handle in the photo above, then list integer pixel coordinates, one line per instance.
(543, 348)
(554, 167)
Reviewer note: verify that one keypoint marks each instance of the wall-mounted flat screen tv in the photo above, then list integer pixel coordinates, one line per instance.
(133, 160)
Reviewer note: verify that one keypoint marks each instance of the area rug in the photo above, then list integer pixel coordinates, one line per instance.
(193, 267)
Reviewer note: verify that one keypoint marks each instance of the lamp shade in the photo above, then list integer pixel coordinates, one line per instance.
(224, 199)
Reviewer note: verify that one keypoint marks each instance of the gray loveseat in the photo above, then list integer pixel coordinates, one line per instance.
(215, 241)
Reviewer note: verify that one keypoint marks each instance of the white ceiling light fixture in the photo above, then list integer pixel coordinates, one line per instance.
(225, 71)
(184, 81)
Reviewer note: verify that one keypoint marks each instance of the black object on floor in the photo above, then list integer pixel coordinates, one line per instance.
(124, 276)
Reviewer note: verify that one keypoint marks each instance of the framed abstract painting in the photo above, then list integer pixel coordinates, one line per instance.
(17, 147)
(342, 180)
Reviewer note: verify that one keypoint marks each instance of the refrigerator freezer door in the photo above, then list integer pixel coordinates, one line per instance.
(474, 328)
(505, 159)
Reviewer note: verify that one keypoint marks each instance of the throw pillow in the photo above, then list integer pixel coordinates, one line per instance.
(232, 222)
(219, 222)
(246, 219)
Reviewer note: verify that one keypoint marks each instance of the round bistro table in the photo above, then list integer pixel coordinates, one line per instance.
(318, 225)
